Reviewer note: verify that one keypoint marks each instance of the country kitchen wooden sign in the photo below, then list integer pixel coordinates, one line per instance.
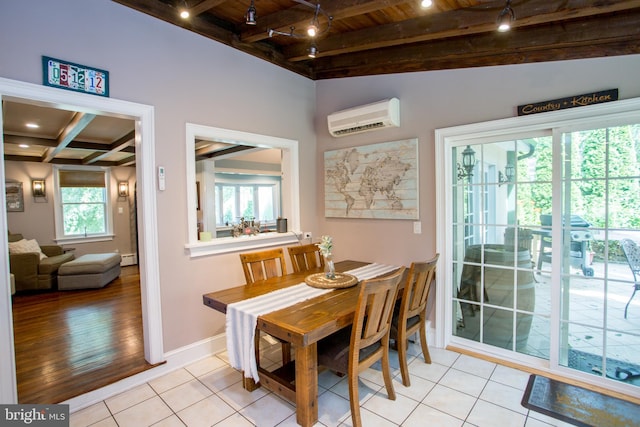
(569, 102)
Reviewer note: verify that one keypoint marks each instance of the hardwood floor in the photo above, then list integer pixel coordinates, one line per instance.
(70, 342)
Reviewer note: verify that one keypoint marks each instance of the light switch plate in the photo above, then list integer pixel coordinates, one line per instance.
(417, 227)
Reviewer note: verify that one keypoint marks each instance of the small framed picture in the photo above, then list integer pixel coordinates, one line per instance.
(15, 197)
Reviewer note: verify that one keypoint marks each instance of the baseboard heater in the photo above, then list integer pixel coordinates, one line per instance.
(128, 259)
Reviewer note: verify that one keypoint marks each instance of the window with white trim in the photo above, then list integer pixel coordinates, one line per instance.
(83, 205)
(246, 196)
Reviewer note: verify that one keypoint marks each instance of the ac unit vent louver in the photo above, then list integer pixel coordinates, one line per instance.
(378, 115)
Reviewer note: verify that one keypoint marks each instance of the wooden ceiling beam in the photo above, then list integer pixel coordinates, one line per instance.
(203, 6)
(587, 38)
(468, 21)
(299, 16)
(75, 126)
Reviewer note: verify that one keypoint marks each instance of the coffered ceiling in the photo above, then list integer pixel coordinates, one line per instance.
(395, 36)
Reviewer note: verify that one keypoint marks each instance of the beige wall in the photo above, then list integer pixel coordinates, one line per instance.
(188, 78)
(37, 220)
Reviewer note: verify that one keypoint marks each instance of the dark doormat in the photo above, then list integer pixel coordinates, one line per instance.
(577, 405)
(616, 369)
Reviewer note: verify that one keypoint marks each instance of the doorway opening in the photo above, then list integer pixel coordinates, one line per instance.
(148, 262)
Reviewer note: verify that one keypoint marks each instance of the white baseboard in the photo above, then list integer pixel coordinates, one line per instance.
(175, 359)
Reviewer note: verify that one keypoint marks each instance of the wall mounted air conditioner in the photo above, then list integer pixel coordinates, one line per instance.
(377, 115)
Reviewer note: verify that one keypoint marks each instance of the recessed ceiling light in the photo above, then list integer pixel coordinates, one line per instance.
(33, 125)
(426, 3)
(184, 14)
(23, 146)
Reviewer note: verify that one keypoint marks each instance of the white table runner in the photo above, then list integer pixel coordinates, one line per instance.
(242, 317)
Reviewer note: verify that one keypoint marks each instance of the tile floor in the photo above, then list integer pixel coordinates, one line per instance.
(455, 390)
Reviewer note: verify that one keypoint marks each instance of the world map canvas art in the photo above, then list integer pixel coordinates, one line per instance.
(372, 181)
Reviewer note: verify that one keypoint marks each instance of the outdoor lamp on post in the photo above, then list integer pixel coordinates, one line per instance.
(38, 187)
(468, 163)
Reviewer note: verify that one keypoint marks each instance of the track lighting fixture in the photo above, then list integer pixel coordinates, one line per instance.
(313, 51)
(319, 25)
(506, 17)
(250, 16)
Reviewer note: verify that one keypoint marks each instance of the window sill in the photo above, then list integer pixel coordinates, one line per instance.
(88, 239)
(234, 244)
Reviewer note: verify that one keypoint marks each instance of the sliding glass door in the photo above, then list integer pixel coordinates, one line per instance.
(542, 223)
(600, 214)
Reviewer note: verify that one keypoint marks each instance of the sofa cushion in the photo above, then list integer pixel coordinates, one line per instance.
(51, 264)
(90, 263)
(25, 246)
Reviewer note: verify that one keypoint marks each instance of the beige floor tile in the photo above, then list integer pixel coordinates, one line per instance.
(206, 365)
(485, 414)
(511, 377)
(235, 420)
(464, 382)
(426, 415)
(170, 380)
(450, 401)
(130, 398)
(394, 410)
(472, 365)
(172, 421)
(206, 412)
(268, 411)
(144, 414)
(238, 398)
(505, 396)
(221, 378)
(89, 415)
(185, 395)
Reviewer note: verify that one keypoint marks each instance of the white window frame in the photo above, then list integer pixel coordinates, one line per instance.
(58, 214)
(257, 182)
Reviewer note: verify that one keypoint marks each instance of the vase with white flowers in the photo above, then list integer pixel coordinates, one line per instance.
(326, 246)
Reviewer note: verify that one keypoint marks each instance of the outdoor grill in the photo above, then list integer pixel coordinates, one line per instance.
(579, 244)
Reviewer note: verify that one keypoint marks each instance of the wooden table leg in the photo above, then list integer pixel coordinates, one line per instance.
(306, 384)
(249, 384)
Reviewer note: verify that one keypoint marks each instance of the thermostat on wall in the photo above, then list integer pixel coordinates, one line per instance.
(161, 178)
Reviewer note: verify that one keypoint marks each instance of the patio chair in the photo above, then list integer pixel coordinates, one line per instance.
(632, 253)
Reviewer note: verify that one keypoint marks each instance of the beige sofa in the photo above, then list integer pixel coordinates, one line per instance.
(31, 273)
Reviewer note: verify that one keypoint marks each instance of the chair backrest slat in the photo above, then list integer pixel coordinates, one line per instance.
(263, 265)
(305, 257)
(417, 288)
(375, 309)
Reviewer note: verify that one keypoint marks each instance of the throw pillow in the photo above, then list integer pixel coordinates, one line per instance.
(25, 246)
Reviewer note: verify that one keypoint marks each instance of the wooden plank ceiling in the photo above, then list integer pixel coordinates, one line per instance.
(396, 36)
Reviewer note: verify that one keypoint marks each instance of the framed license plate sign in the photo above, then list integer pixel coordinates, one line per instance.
(80, 78)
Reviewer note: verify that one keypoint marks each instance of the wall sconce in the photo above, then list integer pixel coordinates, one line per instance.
(123, 189)
(468, 163)
(509, 174)
(38, 187)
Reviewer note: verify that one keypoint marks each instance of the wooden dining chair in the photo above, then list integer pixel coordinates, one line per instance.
(305, 257)
(263, 265)
(260, 266)
(411, 316)
(353, 349)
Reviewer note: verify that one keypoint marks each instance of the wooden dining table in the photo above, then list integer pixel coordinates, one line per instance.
(303, 325)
